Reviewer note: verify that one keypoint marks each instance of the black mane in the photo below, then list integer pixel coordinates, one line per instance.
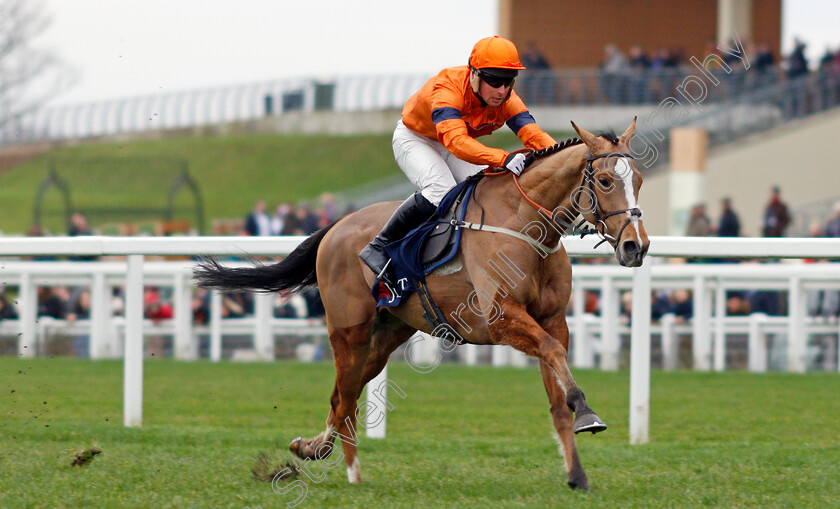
(545, 152)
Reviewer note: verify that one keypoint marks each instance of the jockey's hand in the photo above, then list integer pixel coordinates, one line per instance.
(515, 163)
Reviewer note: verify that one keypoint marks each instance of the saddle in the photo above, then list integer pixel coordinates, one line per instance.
(442, 243)
(425, 248)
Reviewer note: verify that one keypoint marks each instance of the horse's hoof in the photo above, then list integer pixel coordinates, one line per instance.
(294, 445)
(589, 422)
(579, 484)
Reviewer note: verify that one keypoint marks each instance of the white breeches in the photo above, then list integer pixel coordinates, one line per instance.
(428, 165)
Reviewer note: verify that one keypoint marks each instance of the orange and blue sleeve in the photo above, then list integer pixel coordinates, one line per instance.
(447, 103)
(523, 124)
(452, 132)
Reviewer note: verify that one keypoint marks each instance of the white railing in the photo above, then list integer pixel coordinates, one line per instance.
(134, 248)
(107, 330)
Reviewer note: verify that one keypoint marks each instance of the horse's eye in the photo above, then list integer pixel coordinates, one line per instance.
(604, 181)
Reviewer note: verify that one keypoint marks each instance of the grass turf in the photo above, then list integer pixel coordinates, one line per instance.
(462, 437)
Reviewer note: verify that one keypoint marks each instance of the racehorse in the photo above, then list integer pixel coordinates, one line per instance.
(594, 176)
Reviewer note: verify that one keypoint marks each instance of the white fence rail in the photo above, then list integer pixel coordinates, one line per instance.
(796, 281)
(106, 330)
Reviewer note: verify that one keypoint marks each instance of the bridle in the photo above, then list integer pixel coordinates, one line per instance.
(588, 181)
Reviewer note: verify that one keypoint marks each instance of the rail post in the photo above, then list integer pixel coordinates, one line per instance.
(640, 357)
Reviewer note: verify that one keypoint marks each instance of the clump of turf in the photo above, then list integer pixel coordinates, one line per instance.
(85, 457)
(268, 466)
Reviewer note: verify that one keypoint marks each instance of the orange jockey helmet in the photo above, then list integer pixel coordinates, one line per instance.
(496, 60)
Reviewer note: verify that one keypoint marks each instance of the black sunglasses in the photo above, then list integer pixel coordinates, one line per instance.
(495, 81)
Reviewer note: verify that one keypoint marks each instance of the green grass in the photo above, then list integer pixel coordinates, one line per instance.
(462, 437)
(232, 173)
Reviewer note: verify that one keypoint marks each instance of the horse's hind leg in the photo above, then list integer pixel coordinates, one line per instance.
(351, 347)
(561, 414)
(389, 333)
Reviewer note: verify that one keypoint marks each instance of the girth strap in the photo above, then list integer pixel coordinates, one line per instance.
(434, 315)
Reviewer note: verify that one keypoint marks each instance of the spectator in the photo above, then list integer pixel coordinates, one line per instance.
(736, 304)
(201, 306)
(823, 304)
(832, 228)
(797, 62)
(776, 216)
(79, 305)
(323, 217)
(237, 304)
(639, 65)
(764, 65)
(330, 206)
(257, 223)
(764, 59)
(682, 305)
(729, 224)
(308, 218)
(537, 84)
(154, 306)
(79, 309)
(615, 68)
(292, 224)
(699, 224)
(278, 219)
(290, 306)
(533, 58)
(7, 310)
(53, 301)
(78, 225)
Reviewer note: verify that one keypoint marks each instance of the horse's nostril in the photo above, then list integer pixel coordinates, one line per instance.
(630, 247)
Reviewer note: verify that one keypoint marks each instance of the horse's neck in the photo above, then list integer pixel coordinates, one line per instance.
(551, 181)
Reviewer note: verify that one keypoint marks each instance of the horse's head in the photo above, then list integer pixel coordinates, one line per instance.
(608, 194)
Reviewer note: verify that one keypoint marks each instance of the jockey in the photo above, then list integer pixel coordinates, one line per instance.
(434, 142)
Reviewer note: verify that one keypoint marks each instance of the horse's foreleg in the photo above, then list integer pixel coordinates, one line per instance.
(522, 332)
(561, 414)
(585, 418)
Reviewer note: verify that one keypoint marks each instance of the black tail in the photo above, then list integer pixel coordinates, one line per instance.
(294, 273)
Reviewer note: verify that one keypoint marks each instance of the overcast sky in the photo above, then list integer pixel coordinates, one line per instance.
(123, 48)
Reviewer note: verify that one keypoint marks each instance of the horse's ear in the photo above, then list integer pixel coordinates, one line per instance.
(585, 135)
(628, 134)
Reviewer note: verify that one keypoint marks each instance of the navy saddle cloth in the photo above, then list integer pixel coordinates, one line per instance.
(426, 247)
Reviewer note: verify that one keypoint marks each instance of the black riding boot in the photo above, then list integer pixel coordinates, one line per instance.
(410, 214)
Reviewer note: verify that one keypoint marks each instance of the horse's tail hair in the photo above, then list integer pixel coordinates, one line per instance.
(293, 273)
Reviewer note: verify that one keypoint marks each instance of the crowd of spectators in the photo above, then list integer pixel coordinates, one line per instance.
(640, 76)
(775, 222)
(288, 219)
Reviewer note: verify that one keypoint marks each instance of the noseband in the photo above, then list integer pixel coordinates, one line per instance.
(601, 216)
